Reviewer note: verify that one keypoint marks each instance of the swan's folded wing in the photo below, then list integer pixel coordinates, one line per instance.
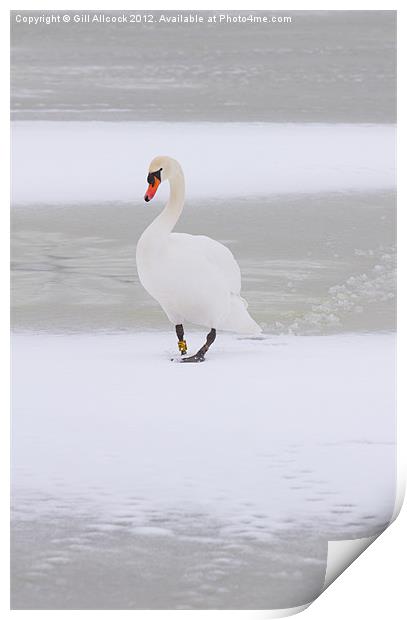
(218, 255)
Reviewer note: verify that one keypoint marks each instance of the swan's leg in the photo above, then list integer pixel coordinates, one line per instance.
(182, 345)
(200, 355)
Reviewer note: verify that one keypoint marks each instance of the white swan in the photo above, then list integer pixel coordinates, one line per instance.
(193, 278)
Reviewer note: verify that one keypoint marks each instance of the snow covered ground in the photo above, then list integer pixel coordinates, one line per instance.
(59, 162)
(258, 456)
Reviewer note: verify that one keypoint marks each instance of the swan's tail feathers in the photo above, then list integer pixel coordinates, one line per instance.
(239, 320)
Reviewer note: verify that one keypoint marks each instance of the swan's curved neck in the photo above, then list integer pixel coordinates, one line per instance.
(165, 222)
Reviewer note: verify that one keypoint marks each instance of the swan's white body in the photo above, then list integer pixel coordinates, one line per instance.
(194, 278)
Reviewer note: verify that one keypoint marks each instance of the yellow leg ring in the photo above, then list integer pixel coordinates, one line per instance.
(182, 346)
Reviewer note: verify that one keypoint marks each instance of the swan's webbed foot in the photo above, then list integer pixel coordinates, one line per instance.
(192, 358)
(182, 346)
(198, 357)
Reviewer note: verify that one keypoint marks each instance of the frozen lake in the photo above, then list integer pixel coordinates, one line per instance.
(139, 483)
(314, 264)
(331, 66)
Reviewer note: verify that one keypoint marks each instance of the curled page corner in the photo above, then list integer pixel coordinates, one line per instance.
(400, 488)
(266, 614)
(341, 554)
(284, 613)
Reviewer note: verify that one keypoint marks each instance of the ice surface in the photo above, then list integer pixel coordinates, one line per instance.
(311, 264)
(330, 66)
(111, 413)
(84, 161)
(213, 485)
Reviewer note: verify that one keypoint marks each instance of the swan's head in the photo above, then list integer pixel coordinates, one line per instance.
(160, 169)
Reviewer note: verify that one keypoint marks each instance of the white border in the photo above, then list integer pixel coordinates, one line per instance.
(201, 5)
(386, 596)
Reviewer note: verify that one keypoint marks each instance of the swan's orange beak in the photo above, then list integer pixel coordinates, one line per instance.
(151, 190)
